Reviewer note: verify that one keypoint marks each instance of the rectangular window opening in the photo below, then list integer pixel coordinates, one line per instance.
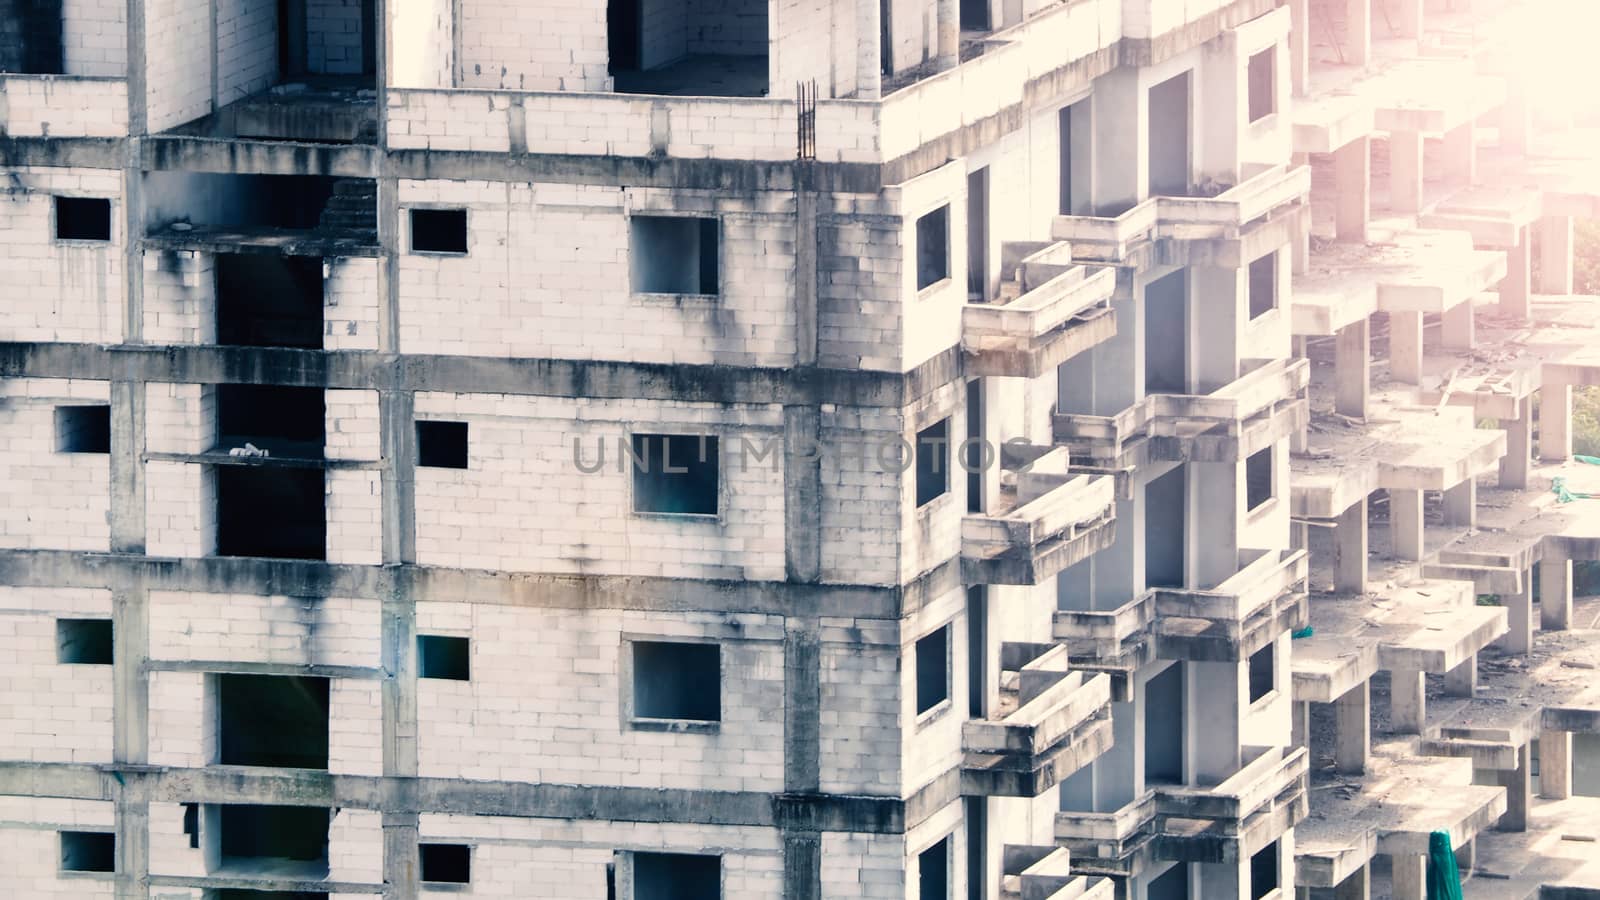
(933, 462)
(438, 231)
(676, 876)
(674, 255)
(272, 720)
(1262, 79)
(284, 421)
(441, 656)
(83, 219)
(287, 841)
(1258, 479)
(1263, 285)
(1262, 680)
(933, 669)
(88, 851)
(933, 248)
(933, 872)
(267, 300)
(677, 681)
(1264, 871)
(83, 429)
(676, 474)
(84, 642)
(442, 445)
(271, 511)
(446, 863)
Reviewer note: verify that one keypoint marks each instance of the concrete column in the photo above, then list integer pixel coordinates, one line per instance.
(1299, 535)
(1516, 291)
(1519, 620)
(1352, 174)
(1461, 153)
(1350, 549)
(1300, 724)
(1352, 364)
(1462, 681)
(869, 51)
(1352, 737)
(1299, 45)
(1555, 764)
(1519, 451)
(1405, 524)
(1358, 886)
(948, 52)
(1555, 422)
(1357, 44)
(1516, 119)
(1405, 172)
(1555, 593)
(1519, 793)
(1410, 876)
(1461, 504)
(1408, 701)
(1466, 855)
(1459, 329)
(1555, 255)
(1405, 17)
(1405, 347)
(1300, 250)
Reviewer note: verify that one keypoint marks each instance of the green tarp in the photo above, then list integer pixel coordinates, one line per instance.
(1444, 879)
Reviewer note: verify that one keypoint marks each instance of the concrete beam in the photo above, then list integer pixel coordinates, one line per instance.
(1461, 504)
(1555, 594)
(1352, 173)
(1555, 255)
(1405, 172)
(1519, 794)
(1350, 549)
(1353, 729)
(1462, 681)
(1408, 701)
(1516, 289)
(1458, 327)
(1555, 764)
(1518, 460)
(1405, 346)
(1405, 524)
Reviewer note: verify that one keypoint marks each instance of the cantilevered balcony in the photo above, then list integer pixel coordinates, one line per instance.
(1058, 519)
(1048, 311)
(1050, 723)
(1115, 641)
(1265, 598)
(1045, 873)
(1107, 843)
(1231, 820)
(1252, 412)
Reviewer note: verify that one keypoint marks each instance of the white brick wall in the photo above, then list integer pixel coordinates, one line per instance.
(524, 505)
(58, 290)
(170, 853)
(62, 106)
(354, 516)
(355, 846)
(350, 304)
(544, 701)
(504, 47)
(180, 418)
(178, 54)
(860, 732)
(94, 37)
(180, 297)
(422, 34)
(861, 497)
(352, 424)
(180, 509)
(330, 631)
(51, 712)
(50, 500)
(30, 847)
(355, 726)
(863, 866)
(247, 48)
(181, 731)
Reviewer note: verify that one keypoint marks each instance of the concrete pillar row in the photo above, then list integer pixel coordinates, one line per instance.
(1519, 794)
(1555, 593)
(1462, 681)
(1410, 876)
(1405, 524)
(1405, 17)
(1519, 450)
(1459, 327)
(1352, 365)
(1352, 740)
(1300, 724)
(948, 32)
(1516, 289)
(1352, 173)
(1358, 886)
(1518, 638)
(1405, 347)
(1357, 44)
(1408, 701)
(1461, 504)
(1555, 764)
(1405, 172)
(1555, 255)
(1299, 45)
(1350, 549)
(1555, 422)
(1461, 153)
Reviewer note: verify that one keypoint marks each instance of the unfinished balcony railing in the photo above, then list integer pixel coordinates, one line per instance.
(1048, 311)
(1059, 519)
(1050, 722)
(1115, 641)
(1046, 873)
(1231, 820)
(1265, 598)
(1108, 843)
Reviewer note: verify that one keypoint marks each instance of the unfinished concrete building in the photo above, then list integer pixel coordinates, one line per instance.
(669, 449)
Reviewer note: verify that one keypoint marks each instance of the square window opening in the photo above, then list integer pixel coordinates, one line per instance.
(439, 231)
(88, 851)
(1262, 79)
(933, 462)
(271, 511)
(933, 872)
(269, 301)
(83, 219)
(284, 421)
(84, 642)
(1258, 479)
(1264, 871)
(933, 669)
(1263, 285)
(442, 445)
(676, 876)
(290, 841)
(676, 474)
(933, 247)
(246, 894)
(442, 656)
(83, 429)
(446, 863)
(674, 255)
(272, 720)
(1262, 676)
(673, 680)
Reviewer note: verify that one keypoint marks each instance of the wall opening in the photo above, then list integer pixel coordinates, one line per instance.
(266, 300)
(974, 15)
(326, 39)
(677, 681)
(715, 48)
(933, 462)
(1262, 676)
(444, 656)
(1264, 871)
(88, 851)
(1165, 510)
(1169, 136)
(84, 642)
(978, 235)
(1173, 884)
(1264, 285)
(1163, 726)
(933, 248)
(83, 219)
(272, 720)
(243, 894)
(975, 447)
(279, 840)
(1258, 479)
(1586, 765)
(676, 876)
(976, 811)
(446, 863)
(1262, 79)
(442, 445)
(287, 422)
(438, 231)
(933, 872)
(676, 474)
(31, 41)
(1166, 334)
(83, 429)
(271, 511)
(933, 669)
(242, 205)
(674, 255)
